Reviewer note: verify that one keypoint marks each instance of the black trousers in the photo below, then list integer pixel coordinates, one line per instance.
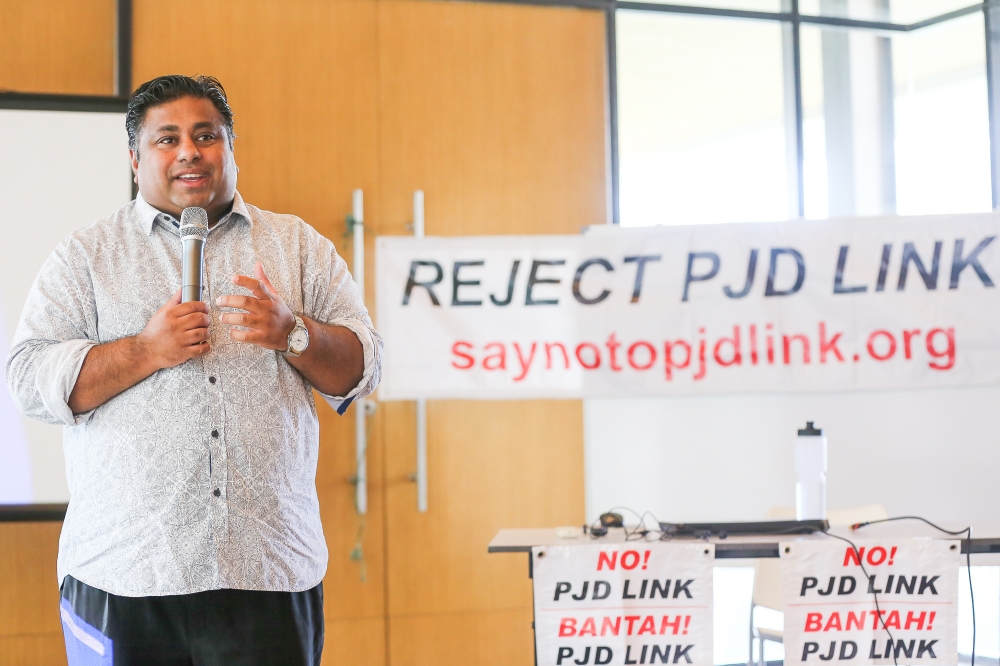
(218, 627)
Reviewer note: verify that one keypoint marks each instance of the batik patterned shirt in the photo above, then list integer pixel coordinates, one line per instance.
(201, 476)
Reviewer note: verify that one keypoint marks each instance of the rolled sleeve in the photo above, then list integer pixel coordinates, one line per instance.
(372, 354)
(56, 369)
(331, 296)
(55, 334)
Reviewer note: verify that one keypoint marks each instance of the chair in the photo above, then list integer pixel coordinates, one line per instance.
(767, 572)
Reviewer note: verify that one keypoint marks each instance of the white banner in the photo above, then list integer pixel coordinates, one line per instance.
(830, 606)
(629, 603)
(789, 306)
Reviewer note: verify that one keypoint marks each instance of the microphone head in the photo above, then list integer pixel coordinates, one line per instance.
(194, 223)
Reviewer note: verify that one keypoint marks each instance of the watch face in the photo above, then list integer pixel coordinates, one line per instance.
(298, 340)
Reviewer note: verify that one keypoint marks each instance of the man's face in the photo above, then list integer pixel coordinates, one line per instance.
(184, 158)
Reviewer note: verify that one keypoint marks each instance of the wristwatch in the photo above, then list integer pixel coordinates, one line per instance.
(298, 339)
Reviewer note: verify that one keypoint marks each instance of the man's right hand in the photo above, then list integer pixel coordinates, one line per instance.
(176, 333)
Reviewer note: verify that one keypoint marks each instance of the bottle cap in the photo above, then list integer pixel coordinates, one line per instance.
(810, 430)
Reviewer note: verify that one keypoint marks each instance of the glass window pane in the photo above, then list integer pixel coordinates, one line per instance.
(942, 119)
(896, 124)
(895, 11)
(701, 119)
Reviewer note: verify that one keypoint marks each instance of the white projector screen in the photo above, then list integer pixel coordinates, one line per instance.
(63, 169)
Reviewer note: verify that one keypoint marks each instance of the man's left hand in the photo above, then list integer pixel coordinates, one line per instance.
(266, 320)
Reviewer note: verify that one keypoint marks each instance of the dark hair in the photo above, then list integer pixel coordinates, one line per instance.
(165, 89)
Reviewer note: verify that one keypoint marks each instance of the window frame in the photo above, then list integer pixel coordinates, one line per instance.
(791, 16)
(794, 18)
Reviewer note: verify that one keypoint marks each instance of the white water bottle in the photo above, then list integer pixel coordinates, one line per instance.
(810, 474)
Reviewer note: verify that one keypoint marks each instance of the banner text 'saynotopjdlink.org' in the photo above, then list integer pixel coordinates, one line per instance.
(764, 307)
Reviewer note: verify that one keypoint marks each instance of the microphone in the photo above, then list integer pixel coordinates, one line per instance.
(194, 231)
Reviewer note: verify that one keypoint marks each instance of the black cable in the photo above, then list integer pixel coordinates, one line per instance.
(639, 530)
(590, 532)
(644, 533)
(855, 527)
(972, 595)
(878, 611)
(968, 565)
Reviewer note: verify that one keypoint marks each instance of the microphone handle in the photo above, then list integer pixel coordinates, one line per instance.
(193, 271)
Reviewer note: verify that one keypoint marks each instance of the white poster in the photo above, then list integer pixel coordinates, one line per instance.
(626, 603)
(905, 611)
(769, 307)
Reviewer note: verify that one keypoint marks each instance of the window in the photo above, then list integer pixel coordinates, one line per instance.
(700, 104)
(757, 110)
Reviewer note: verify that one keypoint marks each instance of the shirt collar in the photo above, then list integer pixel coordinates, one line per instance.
(148, 214)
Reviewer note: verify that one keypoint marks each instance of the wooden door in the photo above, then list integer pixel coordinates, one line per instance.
(497, 112)
(302, 78)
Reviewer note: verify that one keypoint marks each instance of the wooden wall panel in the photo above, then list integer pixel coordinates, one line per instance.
(498, 113)
(487, 637)
(32, 650)
(301, 76)
(57, 46)
(30, 631)
(353, 642)
(491, 464)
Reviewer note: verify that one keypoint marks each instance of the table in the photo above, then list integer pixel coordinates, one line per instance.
(730, 548)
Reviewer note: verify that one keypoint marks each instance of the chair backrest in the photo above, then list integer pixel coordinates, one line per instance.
(767, 574)
(781, 513)
(856, 514)
(767, 584)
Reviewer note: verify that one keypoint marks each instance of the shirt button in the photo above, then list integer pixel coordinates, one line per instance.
(216, 492)
(211, 380)
(215, 433)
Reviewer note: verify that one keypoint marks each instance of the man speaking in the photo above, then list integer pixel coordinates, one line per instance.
(193, 532)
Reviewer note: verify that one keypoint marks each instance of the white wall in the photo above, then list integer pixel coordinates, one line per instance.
(60, 170)
(934, 453)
